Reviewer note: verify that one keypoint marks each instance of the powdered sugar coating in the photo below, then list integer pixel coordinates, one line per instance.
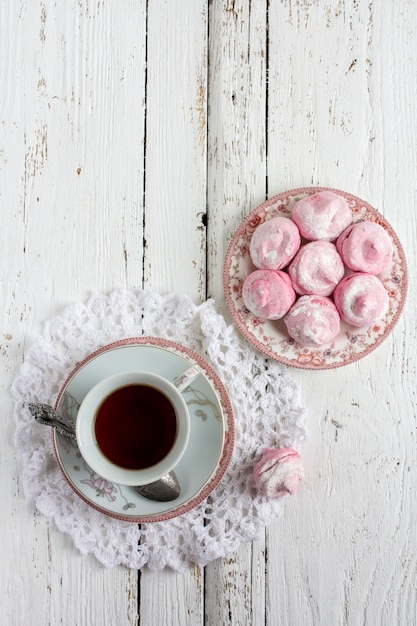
(272, 338)
(323, 215)
(313, 321)
(316, 269)
(268, 294)
(279, 472)
(274, 243)
(365, 247)
(361, 299)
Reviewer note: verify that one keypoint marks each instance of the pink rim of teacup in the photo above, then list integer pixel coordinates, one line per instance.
(271, 338)
(229, 429)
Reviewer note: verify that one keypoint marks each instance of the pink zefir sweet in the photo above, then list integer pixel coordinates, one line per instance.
(365, 247)
(316, 269)
(274, 243)
(313, 321)
(361, 299)
(323, 215)
(279, 472)
(268, 294)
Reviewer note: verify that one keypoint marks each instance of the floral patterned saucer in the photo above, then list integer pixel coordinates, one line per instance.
(211, 438)
(271, 337)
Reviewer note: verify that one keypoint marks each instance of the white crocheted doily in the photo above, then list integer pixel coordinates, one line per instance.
(267, 411)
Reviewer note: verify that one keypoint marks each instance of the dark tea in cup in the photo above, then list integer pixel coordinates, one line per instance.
(132, 428)
(136, 426)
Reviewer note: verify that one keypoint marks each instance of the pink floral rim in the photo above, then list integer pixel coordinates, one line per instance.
(229, 431)
(271, 337)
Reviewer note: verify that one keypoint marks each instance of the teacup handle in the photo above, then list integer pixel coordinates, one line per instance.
(187, 378)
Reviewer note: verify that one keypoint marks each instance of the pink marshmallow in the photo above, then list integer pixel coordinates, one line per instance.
(268, 294)
(365, 247)
(279, 472)
(316, 269)
(361, 299)
(313, 321)
(274, 243)
(323, 215)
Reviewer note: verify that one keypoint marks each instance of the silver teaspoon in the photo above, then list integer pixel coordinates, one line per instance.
(165, 489)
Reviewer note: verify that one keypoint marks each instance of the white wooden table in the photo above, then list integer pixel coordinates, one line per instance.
(135, 136)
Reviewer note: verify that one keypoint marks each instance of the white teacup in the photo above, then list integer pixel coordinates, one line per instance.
(133, 428)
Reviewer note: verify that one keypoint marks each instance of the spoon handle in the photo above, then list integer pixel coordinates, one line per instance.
(45, 414)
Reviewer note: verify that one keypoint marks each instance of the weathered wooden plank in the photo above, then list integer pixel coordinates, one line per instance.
(340, 123)
(173, 598)
(235, 587)
(237, 124)
(236, 183)
(72, 167)
(174, 226)
(176, 136)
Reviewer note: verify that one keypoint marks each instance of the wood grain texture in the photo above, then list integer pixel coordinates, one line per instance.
(236, 148)
(176, 137)
(133, 141)
(236, 180)
(347, 558)
(174, 219)
(70, 205)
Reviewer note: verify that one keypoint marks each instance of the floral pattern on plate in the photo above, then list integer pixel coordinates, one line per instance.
(271, 337)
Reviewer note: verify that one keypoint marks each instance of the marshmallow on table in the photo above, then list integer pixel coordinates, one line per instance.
(316, 269)
(361, 299)
(274, 243)
(279, 472)
(268, 294)
(313, 321)
(323, 215)
(365, 247)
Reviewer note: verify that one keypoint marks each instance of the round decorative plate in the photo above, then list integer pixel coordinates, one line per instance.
(211, 437)
(271, 337)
